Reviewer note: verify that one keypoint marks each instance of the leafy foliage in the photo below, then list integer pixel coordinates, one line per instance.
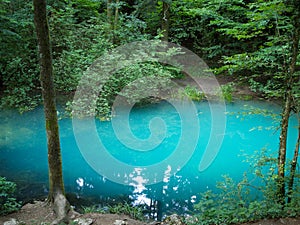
(233, 202)
(8, 203)
(226, 91)
(265, 62)
(18, 63)
(250, 40)
(135, 212)
(193, 93)
(137, 83)
(92, 209)
(79, 35)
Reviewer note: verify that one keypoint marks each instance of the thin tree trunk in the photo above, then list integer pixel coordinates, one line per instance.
(56, 186)
(116, 21)
(282, 147)
(165, 23)
(112, 18)
(109, 13)
(291, 79)
(294, 80)
(294, 166)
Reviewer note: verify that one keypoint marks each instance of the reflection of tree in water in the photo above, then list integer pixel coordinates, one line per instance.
(161, 199)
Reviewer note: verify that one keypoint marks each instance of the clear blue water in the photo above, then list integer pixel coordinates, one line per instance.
(23, 151)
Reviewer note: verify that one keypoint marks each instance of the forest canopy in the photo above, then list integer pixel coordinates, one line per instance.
(248, 40)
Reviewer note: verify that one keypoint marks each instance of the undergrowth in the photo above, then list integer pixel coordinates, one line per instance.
(251, 199)
(226, 91)
(125, 208)
(8, 202)
(193, 93)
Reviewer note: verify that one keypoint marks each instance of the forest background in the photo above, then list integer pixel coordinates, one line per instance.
(255, 42)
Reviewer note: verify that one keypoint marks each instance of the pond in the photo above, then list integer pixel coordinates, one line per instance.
(153, 169)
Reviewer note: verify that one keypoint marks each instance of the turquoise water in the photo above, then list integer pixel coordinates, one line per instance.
(23, 151)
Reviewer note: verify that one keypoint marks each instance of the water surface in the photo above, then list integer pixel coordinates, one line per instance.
(23, 149)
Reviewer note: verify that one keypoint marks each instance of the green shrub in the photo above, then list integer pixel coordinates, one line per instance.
(193, 93)
(226, 91)
(134, 212)
(246, 97)
(8, 203)
(92, 209)
(233, 202)
(135, 82)
(229, 205)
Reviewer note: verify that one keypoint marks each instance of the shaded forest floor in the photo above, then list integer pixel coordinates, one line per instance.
(41, 213)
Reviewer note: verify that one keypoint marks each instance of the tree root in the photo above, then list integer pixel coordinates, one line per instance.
(61, 207)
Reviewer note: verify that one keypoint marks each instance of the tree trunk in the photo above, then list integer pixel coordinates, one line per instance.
(282, 147)
(294, 80)
(56, 186)
(113, 18)
(109, 13)
(116, 21)
(165, 23)
(291, 80)
(293, 166)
